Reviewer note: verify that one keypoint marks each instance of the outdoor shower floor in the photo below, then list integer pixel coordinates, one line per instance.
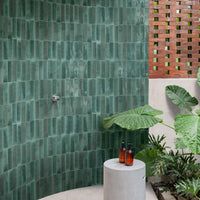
(90, 193)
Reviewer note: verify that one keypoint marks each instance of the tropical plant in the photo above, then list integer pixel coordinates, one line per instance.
(189, 188)
(149, 156)
(198, 77)
(138, 118)
(176, 166)
(151, 152)
(187, 127)
(187, 124)
(180, 97)
(182, 170)
(157, 142)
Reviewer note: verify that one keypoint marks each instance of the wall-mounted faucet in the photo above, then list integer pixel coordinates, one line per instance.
(55, 98)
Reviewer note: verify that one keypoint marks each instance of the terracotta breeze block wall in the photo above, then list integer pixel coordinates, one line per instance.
(93, 54)
(174, 38)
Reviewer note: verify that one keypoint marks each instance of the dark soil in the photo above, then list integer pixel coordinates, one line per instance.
(163, 192)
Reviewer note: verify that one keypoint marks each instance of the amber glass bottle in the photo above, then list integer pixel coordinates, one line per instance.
(129, 158)
(122, 152)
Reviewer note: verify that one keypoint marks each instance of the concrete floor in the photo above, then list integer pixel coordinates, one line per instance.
(91, 193)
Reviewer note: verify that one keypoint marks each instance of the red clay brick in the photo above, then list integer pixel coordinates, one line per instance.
(180, 43)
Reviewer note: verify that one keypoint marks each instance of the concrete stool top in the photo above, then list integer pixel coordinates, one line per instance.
(114, 164)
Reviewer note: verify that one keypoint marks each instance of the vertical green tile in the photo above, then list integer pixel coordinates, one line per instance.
(93, 54)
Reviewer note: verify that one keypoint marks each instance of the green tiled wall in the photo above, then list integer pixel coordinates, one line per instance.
(93, 54)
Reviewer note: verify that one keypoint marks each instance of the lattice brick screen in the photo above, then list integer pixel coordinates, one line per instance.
(174, 38)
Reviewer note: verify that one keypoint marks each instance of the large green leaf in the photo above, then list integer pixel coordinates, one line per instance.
(138, 118)
(149, 157)
(198, 77)
(180, 97)
(180, 144)
(187, 128)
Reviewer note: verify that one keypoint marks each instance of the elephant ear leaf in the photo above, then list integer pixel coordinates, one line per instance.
(180, 97)
(198, 77)
(138, 118)
(187, 128)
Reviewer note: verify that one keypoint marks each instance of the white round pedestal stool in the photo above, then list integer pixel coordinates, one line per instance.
(124, 182)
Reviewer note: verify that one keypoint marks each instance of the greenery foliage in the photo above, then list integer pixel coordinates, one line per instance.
(151, 152)
(149, 156)
(176, 166)
(180, 97)
(157, 142)
(182, 170)
(187, 124)
(187, 128)
(138, 118)
(189, 188)
(198, 77)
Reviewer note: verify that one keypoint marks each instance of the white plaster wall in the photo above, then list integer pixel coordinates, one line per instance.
(158, 99)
